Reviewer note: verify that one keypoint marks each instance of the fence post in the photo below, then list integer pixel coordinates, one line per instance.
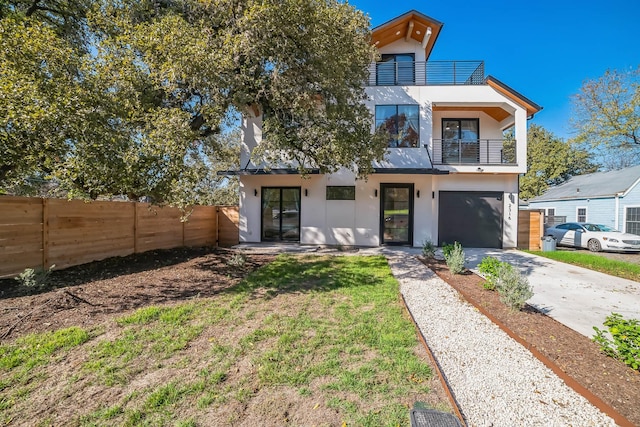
(217, 226)
(135, 227)
(45, 233)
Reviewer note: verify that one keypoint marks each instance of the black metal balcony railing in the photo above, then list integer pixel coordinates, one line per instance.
(473, 152)
(406, 73)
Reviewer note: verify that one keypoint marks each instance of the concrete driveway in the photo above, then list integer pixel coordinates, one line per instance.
(575, 296)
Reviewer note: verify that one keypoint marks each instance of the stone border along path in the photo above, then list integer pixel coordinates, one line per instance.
(495, 380)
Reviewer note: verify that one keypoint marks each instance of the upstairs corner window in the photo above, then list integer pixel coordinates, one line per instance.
(395, 69)
(401, 123)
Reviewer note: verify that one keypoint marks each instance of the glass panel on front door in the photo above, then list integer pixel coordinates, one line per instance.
(281, 214)
(397, 213)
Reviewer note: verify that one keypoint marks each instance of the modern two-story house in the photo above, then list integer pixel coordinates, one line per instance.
(449, 173)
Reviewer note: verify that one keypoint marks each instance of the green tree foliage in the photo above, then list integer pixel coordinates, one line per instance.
(37, 96)
(551, 161)
(135, 97)
(607, 116)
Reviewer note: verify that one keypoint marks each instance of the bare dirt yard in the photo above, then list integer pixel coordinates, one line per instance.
(89, 294)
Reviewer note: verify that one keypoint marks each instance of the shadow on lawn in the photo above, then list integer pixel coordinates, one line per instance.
(312, 273)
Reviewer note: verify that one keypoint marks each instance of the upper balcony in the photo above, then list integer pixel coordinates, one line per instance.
(440, 73)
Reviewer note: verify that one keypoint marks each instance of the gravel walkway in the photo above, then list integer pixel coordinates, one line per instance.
(495, 380)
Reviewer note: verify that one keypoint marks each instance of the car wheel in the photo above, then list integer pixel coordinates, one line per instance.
(594, 245)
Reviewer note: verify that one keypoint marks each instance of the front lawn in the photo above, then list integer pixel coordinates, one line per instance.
(622, 269)
(301, 341)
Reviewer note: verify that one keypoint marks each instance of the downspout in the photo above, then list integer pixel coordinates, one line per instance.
(617, 220)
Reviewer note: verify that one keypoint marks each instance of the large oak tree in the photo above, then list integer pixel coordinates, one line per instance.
(136, 97)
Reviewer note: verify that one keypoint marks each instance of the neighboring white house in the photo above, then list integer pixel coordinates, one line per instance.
(611, 198)
(447, 176)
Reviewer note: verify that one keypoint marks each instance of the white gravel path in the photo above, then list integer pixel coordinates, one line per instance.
(496, 381)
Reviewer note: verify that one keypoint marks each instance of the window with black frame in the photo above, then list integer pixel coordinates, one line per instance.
(460, 141)
(341, 192)
(396, 69)
(401, 123)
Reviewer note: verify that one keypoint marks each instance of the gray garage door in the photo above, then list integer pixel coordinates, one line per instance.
(472, 218)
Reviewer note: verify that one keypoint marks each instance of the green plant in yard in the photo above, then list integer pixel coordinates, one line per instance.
(454, 256)
(428, 249)
(35, 278)
(513, 287)
(237, 260)
(447, 248)
(489, 268)
(625, 342)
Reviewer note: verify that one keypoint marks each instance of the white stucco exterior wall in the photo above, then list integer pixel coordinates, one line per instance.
(347, 222)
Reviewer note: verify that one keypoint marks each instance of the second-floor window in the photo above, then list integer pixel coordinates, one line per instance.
(395, 69)
(460, 140)
(401, 123)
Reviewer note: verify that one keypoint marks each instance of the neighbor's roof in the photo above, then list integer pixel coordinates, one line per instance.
(593, 185)
(411, 25)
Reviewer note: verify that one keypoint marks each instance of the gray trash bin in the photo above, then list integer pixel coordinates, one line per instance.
(548, 244)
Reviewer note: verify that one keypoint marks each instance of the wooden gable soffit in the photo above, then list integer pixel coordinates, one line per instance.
(532, 107)
(412, 25)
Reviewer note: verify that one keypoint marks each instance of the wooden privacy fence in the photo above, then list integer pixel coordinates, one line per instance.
(38, 232)
(530, 229)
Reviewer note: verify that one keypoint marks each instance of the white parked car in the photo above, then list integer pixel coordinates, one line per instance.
(595, 237)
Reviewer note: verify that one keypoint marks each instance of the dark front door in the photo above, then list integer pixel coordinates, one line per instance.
(396, 214)
(280, 214)
(473, 218)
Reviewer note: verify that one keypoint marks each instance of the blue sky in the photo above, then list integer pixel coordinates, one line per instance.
(541, 48)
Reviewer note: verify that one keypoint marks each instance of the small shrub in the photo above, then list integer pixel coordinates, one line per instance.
(489, 268)
(237, 260)
(447, 248)
(428, 249)
(35, 278)
(625, 345)
(454, 256)
(513, 287)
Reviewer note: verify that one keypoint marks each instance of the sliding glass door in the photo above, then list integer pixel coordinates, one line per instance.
(460, 141)
(280, 214)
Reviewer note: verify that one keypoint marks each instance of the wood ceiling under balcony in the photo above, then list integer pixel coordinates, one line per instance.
(497, 113)
(411, 25)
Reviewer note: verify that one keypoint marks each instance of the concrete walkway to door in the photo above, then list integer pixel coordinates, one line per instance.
(575, 296)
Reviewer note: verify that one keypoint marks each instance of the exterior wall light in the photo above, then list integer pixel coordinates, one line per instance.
(375, 193)
(306, 193)
(255, 192)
